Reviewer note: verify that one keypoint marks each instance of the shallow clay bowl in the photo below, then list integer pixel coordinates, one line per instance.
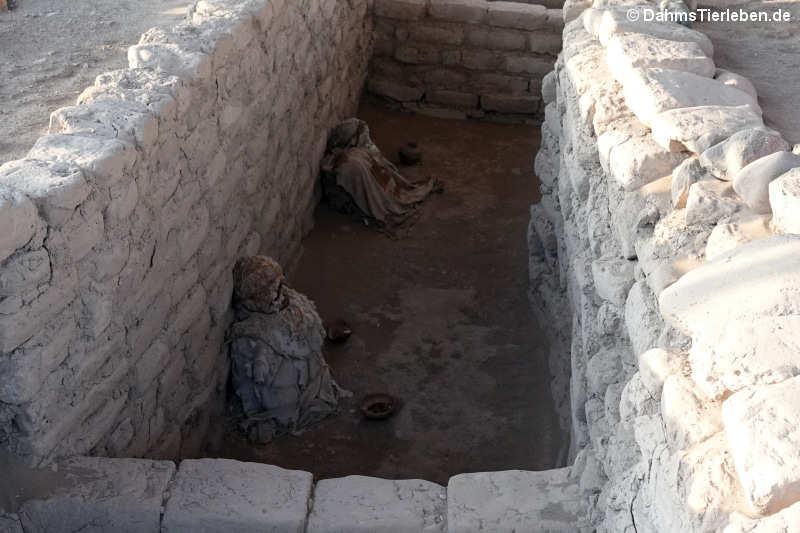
(377, 406)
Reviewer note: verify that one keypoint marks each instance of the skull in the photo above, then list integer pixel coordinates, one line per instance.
(258, 284)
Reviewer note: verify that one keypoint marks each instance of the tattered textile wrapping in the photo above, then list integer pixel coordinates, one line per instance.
(353, 163)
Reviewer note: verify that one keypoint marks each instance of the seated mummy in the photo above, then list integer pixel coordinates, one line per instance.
(278, 372)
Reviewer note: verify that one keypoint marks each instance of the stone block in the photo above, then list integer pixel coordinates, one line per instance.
(170, 59)
(655, 366)
(709, 201)
(510, 104)
(613, 279)
(209, 495)
(514, 500)
(737, 81)
(756, 279)
(418, 54)
(689, 416)
(19, 220)
(628, 51)
(544, 43)
(726, 159)
(360, 504)
(468, 11)
(649, 91)
(56, 188)
(697, 129)
(24, 271)
(433, 33)
(683, 177)
(401, 9)
(527, 65)
(101, 495)
(762, 351)
(126, 120)
(763, 429)
(104, 161)
(632, 158)
(516, 15)
(740, 229)
(752, 182)
(395, 91)
(489, 82)
(642, 321)
(603, 24)
(481, 59)
(784, 200)
(452, 98)
(21, 325)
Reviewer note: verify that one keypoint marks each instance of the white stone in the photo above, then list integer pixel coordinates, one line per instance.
(18, 218)
(727, 158)
(784, 199)
(710, 200)
(613, 279)
(24, 271)
(514, 501)
(632, 158)
(763, 428)
(643, 323)
(104, 161)
(357, 503)
(737, 81)
(655, 366)
(688, 415)
(698, 128)
(742, 228)
(649, 91)
(210, 495)
(609, 22)
(102, 495)
(760, 351)
(683, 177)
(549, 82)
(170, 59)
(56, 188)
(784, 521)
(129, 121)
(759, 278)
(627, 51)
(752, 182)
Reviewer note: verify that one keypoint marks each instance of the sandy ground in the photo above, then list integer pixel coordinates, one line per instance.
(51, 50)
(441, 318)
(769, 54)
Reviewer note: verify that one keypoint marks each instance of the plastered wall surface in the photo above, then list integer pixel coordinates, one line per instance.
(121, 227)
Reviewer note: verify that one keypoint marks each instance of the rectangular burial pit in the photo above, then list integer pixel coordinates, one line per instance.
(128, 217)
(440, 315)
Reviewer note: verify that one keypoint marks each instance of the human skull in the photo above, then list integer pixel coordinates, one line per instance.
(258, 284)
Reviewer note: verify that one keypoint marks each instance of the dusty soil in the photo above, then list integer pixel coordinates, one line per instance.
(441, 318)
(51, 51)
(769, 54)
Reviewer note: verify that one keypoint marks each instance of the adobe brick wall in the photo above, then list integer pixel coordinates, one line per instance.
(464, 58)
(121, 227)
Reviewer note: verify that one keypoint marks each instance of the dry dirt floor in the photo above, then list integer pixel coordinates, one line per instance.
(769, 54)
(50, 51)
(440, 318)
